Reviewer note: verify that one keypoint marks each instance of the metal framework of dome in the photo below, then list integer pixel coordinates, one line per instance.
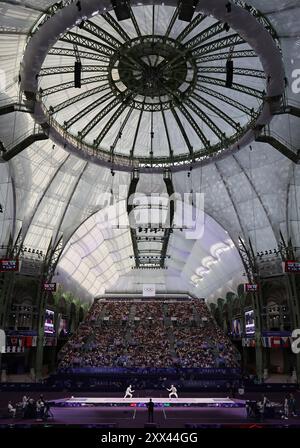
(154, 91)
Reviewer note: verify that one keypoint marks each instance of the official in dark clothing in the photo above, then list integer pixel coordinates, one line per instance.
(150, 407)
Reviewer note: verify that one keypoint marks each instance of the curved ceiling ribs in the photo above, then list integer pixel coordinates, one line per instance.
(209, 47)
(134, 66)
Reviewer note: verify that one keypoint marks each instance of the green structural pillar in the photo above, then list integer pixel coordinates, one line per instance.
(259, 357)
(294, 305)
(257, 300)
(6, 291)
(40, 337)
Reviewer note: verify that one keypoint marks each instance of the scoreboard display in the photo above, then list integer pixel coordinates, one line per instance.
(50, 287)
(251, 287)
(9, 265)
(292, 267)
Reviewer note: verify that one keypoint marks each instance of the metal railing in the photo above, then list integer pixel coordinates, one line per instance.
(267, 132)
(291, 102)
(37, 129)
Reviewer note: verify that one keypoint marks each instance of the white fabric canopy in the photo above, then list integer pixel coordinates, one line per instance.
(253, 193)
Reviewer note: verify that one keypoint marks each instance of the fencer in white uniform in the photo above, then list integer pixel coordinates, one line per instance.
(173, 392)
(129, 392)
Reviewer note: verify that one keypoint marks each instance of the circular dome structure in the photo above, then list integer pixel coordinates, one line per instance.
(155, 91)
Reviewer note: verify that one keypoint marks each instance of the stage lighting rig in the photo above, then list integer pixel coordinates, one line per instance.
(121, 9)
(186, 9)
(228, 7)
(226, 27)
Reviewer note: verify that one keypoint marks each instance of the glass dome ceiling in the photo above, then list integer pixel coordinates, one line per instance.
(50, 192)
(153, 87)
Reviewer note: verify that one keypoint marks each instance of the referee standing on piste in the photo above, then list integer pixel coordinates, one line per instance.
(150, 407)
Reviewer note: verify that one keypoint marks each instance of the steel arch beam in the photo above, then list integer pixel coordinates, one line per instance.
(225, 99)
(193, 122)
(87, 110)
(191, 26)
(91, 44)
(110, 123)
(239, 87)
(113, 146)
(216, 110)
(85, 131)
(70, 69)
(250, 181)
(214, 128)
(236, 71)
(98, 32)
(172, 23)
(135, 23)
(237, 214)
(206, 34)
(80, 97)
(224, 56)
(136, 133)
(116, 26)
(57, 51)
(42, 197)
(182, 130)
(225, 42)
(56, 238)
(70, 85)
(167, 134)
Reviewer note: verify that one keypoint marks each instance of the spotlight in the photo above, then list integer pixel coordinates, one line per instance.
(77, 74)
(228, 7)
(229, 73)
(121, 9)
(226, 27)
(187, 9)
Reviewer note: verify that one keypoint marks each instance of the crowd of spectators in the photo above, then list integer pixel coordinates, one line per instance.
(183, 312)
(117, 311)
(94, 312)
(138, 334)
(149, 346)
(106, 348)
(71, 353)
(149, 311)
(205, 347)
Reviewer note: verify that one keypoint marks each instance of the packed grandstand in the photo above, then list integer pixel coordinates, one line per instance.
(149, 334)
